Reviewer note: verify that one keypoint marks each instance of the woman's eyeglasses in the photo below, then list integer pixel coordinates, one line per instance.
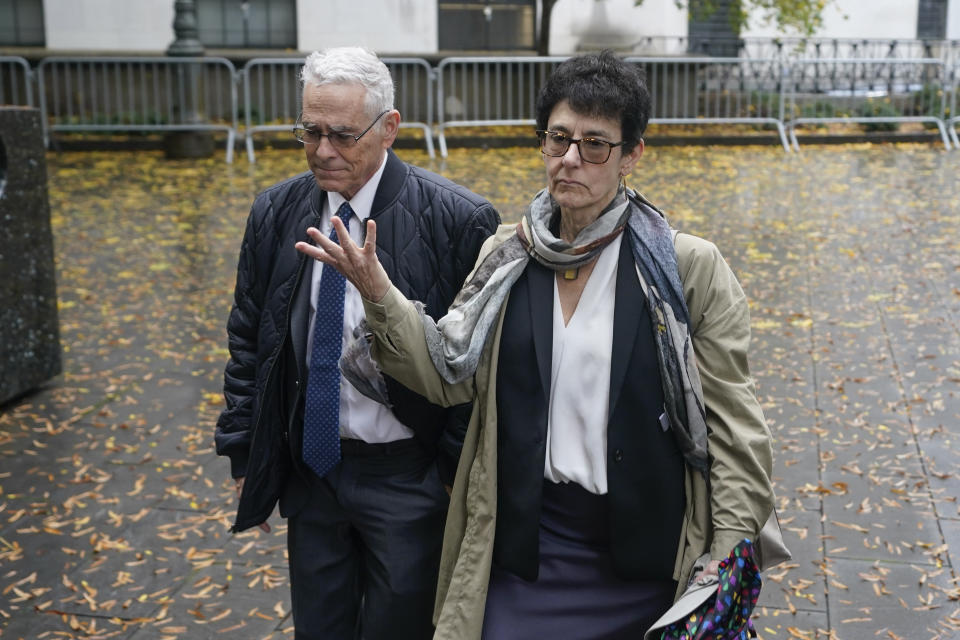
(339, 139)
(592, 150)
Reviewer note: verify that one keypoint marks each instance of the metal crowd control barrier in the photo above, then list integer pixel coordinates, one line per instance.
(16, 81)
(473, 92)
(878, 93)
(716, 91)
(955, 103)
(272, 96)
(484, 91)
(108, 94)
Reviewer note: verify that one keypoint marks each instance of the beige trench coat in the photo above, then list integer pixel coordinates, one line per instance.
(741, 496)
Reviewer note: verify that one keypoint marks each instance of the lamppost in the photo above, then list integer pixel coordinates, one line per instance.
(602, 33)
(187, 144)
(185, 30)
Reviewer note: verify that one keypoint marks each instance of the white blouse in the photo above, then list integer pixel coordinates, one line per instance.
(580, 380)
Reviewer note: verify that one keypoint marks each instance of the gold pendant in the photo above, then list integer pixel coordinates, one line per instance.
(571, 274)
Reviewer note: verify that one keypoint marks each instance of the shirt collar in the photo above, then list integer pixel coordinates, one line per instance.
(362, 200)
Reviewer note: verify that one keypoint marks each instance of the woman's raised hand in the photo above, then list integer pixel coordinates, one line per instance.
(358, 265)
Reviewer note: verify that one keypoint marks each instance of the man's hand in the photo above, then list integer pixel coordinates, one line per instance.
(358, 265)
(239, 483)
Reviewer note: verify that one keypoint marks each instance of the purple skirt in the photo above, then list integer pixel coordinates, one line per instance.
(576, 595)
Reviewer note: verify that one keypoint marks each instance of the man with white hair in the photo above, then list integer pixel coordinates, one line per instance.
(361, 481)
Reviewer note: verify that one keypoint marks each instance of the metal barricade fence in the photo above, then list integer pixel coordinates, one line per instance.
(107, 94)
(738, 91)
(476, 92)
(802, 48)
(272, 96)
(128, 95)
(16, 81)
(879, 93)
(954, 115)
(486, 91)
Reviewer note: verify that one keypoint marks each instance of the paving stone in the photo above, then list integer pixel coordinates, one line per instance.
(888, 598)
(799, 582)
(772, 623)
(34, 625)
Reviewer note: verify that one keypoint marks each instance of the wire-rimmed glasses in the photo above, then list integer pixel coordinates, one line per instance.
(339, 139)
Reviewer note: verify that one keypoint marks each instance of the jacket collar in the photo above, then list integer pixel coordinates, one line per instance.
(391, 182)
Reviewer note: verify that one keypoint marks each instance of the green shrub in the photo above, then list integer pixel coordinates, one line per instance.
(818, 109)
(929, 102)
(879, 109)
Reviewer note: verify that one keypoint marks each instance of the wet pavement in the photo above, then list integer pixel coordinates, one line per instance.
(114, 508)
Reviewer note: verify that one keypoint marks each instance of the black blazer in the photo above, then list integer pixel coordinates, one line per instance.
(644, 463)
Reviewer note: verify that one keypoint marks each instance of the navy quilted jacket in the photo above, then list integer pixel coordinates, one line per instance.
(429, 232)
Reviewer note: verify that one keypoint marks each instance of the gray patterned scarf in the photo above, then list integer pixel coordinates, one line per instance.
(456, 342)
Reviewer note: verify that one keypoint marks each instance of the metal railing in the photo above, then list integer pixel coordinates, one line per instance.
(716, 91)
(793, 48)
(479, 92)
(954, 115)
(877, 93)
(485, 91)
(272, 96)
(849, 48)
(132, 95)
(16, 81)
(108, 94)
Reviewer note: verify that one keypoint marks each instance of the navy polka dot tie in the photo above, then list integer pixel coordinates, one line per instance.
(321, 415)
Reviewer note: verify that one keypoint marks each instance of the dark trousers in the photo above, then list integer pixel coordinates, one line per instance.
(365, 546)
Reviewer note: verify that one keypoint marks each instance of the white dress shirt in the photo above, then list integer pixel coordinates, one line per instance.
(580, 380)
(360, 417)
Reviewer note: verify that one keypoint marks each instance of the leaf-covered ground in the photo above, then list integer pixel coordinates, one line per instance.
(114, 508)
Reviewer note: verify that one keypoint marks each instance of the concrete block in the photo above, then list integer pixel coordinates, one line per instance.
(29, 331)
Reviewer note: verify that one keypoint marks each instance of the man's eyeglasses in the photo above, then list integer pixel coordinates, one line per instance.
(339, 139)
(592, 150)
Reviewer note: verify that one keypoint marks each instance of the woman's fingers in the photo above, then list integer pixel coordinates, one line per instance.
(314, 251)
(346, 242)
(326, 250)
(710, 571)
(370, 244)
(359, 265)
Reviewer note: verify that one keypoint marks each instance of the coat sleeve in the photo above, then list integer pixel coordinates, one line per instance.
(400, 348)
(399, 345)
(480, 225)
(739, 444)
(233, 431)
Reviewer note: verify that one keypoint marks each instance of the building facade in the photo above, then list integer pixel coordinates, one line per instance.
(436, 27)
